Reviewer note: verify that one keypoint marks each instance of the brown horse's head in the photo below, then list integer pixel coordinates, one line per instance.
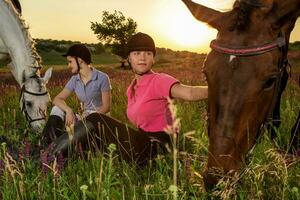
(243, 73)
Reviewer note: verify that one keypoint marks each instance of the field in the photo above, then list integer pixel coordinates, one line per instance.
(268, 174)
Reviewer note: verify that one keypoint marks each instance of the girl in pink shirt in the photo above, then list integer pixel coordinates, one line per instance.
(147, 107)
(149, 92)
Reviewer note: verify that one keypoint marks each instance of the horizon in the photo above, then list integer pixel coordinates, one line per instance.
(181, 32)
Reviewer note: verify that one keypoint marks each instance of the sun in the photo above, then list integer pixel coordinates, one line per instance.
(179, 29)
(186, 31)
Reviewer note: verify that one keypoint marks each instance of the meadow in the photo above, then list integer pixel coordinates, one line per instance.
(268, 174)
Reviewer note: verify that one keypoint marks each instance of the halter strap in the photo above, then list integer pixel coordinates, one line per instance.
(33, 93)
(23, 108)
(248, 51)
(78, 66)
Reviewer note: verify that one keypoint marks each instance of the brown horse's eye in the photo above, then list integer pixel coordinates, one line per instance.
(268, 84)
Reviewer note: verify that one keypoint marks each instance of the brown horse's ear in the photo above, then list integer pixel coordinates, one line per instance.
(205, 14)
(285, 15)
(264, 5)
(267, 5)
(236, 4)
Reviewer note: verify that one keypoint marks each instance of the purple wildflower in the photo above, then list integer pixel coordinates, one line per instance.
(2, 167)
(44, 162)
(60, 162)
(26, 149)
(298, 153)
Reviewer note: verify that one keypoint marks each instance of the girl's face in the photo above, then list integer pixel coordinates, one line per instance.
(141, 61)
(72, 65)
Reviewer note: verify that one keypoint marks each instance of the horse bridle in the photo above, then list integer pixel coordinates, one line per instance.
(23, 104)
(249, 51)
(281, 44)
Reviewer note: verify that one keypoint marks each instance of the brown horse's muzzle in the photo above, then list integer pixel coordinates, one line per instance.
(224, 157)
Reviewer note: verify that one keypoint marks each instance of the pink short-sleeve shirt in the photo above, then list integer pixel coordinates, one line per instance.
(148, 104)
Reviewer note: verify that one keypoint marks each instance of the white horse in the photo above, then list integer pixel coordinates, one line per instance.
(17, 44)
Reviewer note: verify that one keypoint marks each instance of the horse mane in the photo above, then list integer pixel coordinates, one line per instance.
(17, 5)
(38, 80)
(14, 6)
(243, 12)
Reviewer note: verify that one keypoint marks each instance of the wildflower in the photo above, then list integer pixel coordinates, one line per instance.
(84, 188)
(2, 167)
(112, 148)
(174, 123)
(70, 131)
(60, 162)
(44, 161)
(26, 149)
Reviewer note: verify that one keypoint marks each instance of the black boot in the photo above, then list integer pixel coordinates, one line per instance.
(66, 143)
(53, 129)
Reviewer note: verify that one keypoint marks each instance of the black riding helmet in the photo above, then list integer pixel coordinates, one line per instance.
(79, 51)
(140, 42)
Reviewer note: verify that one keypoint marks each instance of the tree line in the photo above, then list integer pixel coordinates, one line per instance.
(61, 46)
(113, 31)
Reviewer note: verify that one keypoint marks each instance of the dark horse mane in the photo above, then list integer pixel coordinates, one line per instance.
(243, 12)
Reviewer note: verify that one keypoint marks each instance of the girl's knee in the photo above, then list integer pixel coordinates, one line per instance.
(58, 112)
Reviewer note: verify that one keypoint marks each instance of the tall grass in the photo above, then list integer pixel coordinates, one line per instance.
(173, 176)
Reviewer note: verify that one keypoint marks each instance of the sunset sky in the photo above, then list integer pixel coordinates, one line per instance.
(168, 21)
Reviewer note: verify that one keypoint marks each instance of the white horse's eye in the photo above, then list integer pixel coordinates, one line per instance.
(28, 103)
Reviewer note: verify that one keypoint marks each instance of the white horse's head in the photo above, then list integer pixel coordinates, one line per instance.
(34, 99)
(16, 42)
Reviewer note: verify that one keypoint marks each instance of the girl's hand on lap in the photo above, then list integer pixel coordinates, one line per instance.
(70, 118)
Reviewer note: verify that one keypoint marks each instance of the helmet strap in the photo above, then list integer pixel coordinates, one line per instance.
(78, 66)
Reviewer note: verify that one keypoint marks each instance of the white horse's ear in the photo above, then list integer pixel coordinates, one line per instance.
(47, 75)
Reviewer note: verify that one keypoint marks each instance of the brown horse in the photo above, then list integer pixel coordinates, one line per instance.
(246, 74)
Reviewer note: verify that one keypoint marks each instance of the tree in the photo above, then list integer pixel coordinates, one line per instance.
(114, 31)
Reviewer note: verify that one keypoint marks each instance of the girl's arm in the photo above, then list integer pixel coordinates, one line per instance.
(106, 102)
(59, 101)
(189, 93)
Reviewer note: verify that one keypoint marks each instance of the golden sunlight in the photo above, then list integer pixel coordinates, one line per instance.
(180, 29)
(185, 31)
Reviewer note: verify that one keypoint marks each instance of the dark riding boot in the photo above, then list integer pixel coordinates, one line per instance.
(132, 145)
(53, 129)
(66, 143)
(295, 137)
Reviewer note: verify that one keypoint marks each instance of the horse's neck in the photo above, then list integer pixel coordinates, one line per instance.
(18, 43)
(3, 51)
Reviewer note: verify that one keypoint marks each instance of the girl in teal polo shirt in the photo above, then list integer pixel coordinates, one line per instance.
(91, 86)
